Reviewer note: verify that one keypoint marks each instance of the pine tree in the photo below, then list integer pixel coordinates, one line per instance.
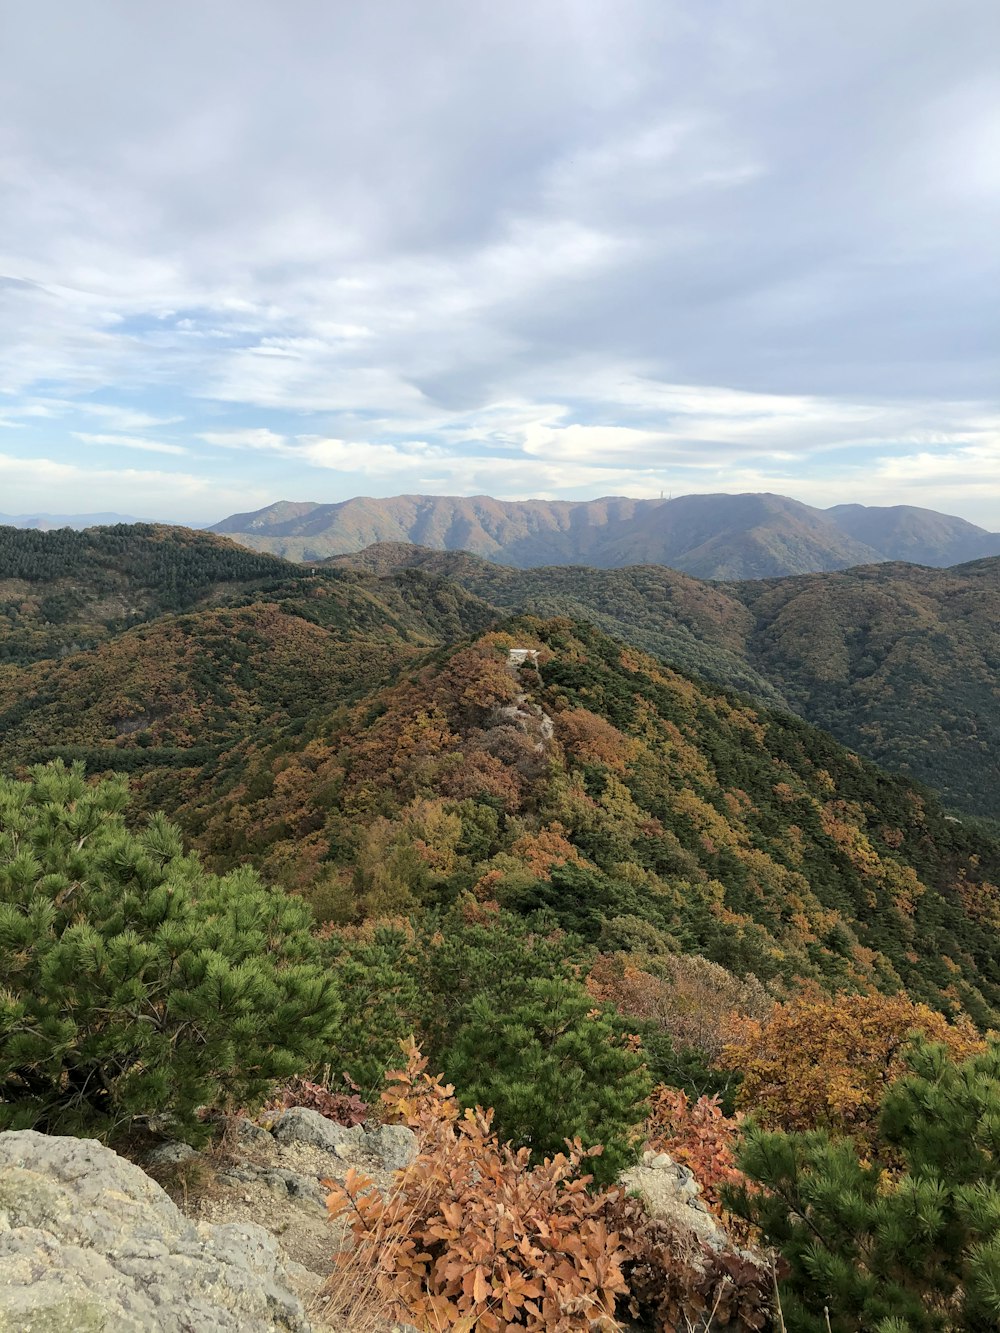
(133, 985)
(873, 1248)
(552, 1068)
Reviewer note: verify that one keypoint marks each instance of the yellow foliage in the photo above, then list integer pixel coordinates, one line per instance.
(825, 1062)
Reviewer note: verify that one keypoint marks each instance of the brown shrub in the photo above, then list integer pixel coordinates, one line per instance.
(678, 1283)
(345, 1106)
(694, 1001)
(473, 1237)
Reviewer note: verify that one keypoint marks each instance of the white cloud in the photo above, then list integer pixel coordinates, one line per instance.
(574, 443)
(43, 484)
(679, 253)
(245, 439)
(129, 442)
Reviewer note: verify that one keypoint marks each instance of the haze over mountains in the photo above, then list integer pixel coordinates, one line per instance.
(710, 536)
(49, 522)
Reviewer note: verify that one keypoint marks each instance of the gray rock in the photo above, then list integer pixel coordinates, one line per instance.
(250, 1133)
(392, 1146)
(170, 1154)
(305, 1126)
(667, 1194)
(284, 1184)
(395, 1146)
(90, 1244)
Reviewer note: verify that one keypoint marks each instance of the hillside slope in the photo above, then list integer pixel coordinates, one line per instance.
(899, 662)
(516, 532)
(696, 626)
(919, 536)
(315, 739)
(64, 590)
(710, 536)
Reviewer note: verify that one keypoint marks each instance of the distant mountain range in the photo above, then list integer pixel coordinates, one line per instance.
(48, 522)
(708, 536)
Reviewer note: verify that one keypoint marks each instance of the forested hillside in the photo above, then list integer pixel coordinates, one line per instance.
(609, 899)
(293, 736)
(899, 662)
(65, 590)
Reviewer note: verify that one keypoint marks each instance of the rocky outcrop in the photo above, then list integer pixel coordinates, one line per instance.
(89, 1243)
(391, 1147)
(670, 1191)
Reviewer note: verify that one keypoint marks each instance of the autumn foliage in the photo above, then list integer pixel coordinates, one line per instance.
(825, 1062)
(693, 1000)
(345, 1107)
(473, 1235)
(700, 1136)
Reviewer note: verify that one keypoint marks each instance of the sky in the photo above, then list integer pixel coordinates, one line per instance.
(558, 248)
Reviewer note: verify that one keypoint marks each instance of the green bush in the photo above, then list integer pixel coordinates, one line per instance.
(497, 1006)
(908, 1242)
(552, 1068)
(133, 985)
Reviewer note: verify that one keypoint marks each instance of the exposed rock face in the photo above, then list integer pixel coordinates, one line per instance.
(89, 1243)
(670, 1191)
(394, 1146)
(307, 1126)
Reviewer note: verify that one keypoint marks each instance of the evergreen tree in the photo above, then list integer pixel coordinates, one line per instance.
(907, 1242)
(552, 1068)
(134, 986)
(382, 1000)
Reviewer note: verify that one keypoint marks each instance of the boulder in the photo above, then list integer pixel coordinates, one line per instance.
(671, 1192)
(170, 1154)
(251, 1134)
(88, 1242)
(394, 1146)
(306, 1126)
(391, 1146)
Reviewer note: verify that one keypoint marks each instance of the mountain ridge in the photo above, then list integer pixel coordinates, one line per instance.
(898, 661)
(48, 522)
(719, 536)
(606, 788)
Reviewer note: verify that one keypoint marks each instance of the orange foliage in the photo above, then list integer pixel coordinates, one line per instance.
(543, 851)
(473, 1236)
(980, 901)
(700, 1136)
(478, 773)
(825, 1062)
(591, 740)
